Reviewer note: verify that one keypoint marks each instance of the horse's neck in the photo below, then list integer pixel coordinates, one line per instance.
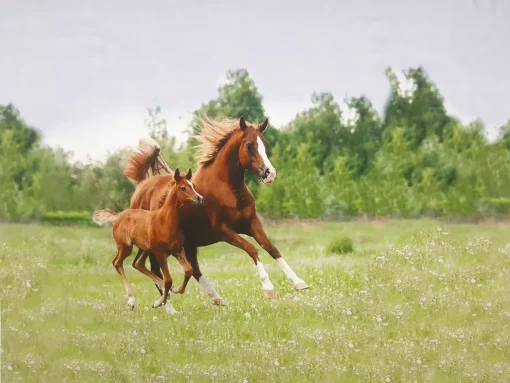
(168, 211)
(227, 167)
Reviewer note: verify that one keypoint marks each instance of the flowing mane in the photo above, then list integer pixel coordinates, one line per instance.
(212, 137)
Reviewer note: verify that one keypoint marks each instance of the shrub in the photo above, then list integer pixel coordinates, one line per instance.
(341, 246)
(82, 218)
(499, 206)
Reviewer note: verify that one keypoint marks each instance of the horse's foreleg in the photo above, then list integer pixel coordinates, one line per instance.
(188, 271)
(257, 231)
(139, 264)
(191, 255)
(236, 240)
(167, 279)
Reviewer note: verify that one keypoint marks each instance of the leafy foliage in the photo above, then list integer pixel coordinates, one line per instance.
(341, 246)
(332, 159)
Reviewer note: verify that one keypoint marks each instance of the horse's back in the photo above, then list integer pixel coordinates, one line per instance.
(149, 192)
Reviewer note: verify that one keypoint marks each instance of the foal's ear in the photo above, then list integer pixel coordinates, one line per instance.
(188, 176)
(177, 175)
(242, 124)
(262, 127)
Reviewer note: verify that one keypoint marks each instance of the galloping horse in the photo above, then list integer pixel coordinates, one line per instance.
(155, 231)
(227, 149)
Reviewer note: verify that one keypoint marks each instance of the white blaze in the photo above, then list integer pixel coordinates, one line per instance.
(262, 152)
(193, 188)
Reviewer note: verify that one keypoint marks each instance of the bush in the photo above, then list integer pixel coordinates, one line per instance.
(499, 206)
(341, 246)
(82, 218)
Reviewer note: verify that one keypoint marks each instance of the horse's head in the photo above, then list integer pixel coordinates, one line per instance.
(185, 189)
(252, 151)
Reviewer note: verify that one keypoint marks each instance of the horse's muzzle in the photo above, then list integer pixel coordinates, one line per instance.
(268, 175)
(199, 200)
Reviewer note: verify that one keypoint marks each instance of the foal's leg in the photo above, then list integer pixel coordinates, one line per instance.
(156, 270)
(188, 272)
(122, 253)
(230, 236)
(191, 255)
(257, 232)
(161, 258)
(139, 264)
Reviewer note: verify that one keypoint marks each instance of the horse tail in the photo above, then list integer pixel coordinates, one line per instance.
(145, 161)
(101, 217)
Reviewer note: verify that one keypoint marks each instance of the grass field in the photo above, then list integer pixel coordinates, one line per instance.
(417, 301)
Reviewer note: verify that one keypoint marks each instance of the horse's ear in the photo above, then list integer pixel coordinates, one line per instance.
(188, 176)
(177, 175)
(242, 124)
(262, 127)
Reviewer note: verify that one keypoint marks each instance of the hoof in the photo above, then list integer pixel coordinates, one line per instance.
(301, 286)
(176, 290)
(131, 302)
(271, 294)
(157, 304)
(218, 302)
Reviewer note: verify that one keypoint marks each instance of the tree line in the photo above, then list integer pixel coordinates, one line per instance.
(413, 160)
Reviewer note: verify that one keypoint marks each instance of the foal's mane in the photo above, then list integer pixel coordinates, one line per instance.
(213, 136)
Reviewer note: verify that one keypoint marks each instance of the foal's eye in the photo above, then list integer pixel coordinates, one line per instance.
(183, 189)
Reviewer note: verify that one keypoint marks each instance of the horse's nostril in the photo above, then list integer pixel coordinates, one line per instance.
(267, 172)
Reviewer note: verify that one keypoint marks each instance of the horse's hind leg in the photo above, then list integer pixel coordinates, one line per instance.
(122, 253)
(188, 272)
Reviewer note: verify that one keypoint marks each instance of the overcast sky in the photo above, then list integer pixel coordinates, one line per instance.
(84, 72)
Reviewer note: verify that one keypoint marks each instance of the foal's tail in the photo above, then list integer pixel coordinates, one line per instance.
(101, 217)
(145, 161)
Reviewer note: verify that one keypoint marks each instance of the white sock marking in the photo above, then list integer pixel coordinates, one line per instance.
(264, 277)
(170, 309)
(289, 272)
(131, 301)
(211, 293)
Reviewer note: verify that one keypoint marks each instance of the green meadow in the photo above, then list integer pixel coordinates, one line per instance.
(416, 301)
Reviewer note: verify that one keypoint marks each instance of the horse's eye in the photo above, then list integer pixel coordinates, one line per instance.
(183, 189)
(249, 146)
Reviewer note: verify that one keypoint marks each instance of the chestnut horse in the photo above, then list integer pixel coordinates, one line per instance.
(157, 231)
(227, 149)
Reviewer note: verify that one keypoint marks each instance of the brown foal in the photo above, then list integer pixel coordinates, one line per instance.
(156, 231)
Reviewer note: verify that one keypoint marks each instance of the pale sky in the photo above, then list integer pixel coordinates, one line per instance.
(84, 72)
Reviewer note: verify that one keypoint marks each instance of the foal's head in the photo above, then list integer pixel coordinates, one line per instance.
(252, 151)
(186, 192)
